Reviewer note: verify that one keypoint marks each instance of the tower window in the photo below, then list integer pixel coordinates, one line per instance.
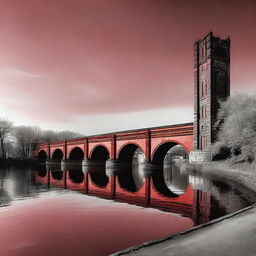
(204, 142)
(205, 88)
(203, 111)
(203, 51)
(202, 89)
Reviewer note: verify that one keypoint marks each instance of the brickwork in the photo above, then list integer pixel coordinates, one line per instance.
(211, 84)
(149, 140)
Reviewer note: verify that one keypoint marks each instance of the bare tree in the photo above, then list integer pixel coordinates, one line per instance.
(21, 141)
(65, 135)
(26, 139)
(6, 127)
(48, 136)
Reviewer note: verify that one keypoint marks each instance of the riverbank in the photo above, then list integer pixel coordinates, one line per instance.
(233, 234)
(244, 174)
(18, 162)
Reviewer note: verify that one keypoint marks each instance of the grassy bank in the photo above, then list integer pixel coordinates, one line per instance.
(244, 173)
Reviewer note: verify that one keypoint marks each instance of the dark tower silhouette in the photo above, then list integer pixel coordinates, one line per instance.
(211, 84)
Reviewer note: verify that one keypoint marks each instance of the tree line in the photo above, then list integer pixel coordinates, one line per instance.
(20, 141)
(236, 133)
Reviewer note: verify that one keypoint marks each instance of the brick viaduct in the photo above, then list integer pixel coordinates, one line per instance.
(120, 146)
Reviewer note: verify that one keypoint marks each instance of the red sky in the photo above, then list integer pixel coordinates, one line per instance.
(63, 61)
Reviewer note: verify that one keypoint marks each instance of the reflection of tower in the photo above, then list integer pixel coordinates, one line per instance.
(202, 198)
(202, 206)
(211, 84)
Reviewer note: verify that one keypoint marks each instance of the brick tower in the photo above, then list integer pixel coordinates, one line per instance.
(211, 84)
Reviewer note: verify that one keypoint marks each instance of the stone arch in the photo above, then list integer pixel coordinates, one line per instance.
(42, 156)
(97, 165)
(131, 178)
(57, 154)
(76, 153)
(126, 152)
(160, 151)
(99, 153)
(159, 178)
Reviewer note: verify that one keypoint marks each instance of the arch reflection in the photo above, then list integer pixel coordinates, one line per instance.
(99, 178)
(42, 173)
(76, 176)
(176, 178)
(57, 175)
(131, 177)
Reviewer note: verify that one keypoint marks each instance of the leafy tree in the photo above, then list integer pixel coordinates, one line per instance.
(236, 128)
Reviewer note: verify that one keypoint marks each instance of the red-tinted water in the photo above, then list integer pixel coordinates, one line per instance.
(75, 224)
(63, 213)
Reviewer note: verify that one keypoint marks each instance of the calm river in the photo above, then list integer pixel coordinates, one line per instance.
(49, 211)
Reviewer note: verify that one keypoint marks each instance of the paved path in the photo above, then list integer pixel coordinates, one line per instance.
(234, 236)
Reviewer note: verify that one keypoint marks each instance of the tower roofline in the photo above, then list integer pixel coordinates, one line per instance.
(210, 33)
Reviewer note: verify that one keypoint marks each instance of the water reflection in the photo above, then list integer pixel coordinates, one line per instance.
(42, 172)
(76, 176)
(127, 179)
(57, 175)
(173, 189)
(176, 178)
(100, 179)
(138, 168)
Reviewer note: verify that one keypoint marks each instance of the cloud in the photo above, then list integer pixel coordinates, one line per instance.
(91, 92)
(89, 57)
(19, 72)
(15, 72)
(22, 245)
